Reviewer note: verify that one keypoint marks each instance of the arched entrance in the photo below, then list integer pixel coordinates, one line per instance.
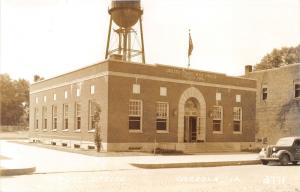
(191, 116)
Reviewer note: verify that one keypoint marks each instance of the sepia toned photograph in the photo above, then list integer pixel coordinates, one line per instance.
(150, 95)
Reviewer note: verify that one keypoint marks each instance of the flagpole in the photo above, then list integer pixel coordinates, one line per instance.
(190, 49)
(189, 56)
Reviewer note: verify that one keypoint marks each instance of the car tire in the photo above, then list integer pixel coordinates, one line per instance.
(295, 162)
(264, 162)
(284, 159)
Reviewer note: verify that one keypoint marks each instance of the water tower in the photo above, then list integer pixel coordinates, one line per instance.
(125, 16)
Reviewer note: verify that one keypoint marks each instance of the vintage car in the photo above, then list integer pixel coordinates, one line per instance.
(286, 150)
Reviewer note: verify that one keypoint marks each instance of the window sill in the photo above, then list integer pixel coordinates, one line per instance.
(36, 129)
(297, 98)
(65, 130)
(218, 132)
(135, 131)
(45, 130)
(237, 133)
(77, 131)
(54, 130)
(92, 131)
(163, 132)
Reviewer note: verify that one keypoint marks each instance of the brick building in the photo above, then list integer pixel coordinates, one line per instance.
(277, 102)
(143, 107)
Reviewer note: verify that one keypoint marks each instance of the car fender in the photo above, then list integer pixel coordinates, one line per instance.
(281, 152)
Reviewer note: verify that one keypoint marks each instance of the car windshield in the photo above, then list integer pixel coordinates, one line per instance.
(285, 142)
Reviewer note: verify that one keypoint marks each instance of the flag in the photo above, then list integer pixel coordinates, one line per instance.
(191, 47)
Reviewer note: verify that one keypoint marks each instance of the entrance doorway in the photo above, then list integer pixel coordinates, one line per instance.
(191, 104)
(190, 127)
(191, 118)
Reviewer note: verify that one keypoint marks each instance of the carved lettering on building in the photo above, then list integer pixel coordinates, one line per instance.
(191, 75)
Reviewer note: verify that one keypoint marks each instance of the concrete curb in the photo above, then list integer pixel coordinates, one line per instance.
(12, 168)
(14, 172)
(195, 164)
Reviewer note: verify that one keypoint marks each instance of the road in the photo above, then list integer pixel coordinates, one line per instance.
(76, 174)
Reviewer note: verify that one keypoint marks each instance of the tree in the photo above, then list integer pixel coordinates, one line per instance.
(14, 101)
(37, 78)
(97, 138)
(279, 57)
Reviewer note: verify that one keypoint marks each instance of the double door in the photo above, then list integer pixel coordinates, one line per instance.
(190, 129)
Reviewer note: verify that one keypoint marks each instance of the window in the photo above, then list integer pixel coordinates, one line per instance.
(162, 116)
(92, 89)
(264, 93)
(218, 96)
(66, 94)
(54, 97)
(218, 119)
(135, 115)
(237, 119)
(44, 116)
(297, 143)
(163, 91)
(54, 117)
(238, 98)
(92, 110)
(36, 100)
(78, 116)
(78, 92)
(66, 117)
(36, 118)
(297, 90)
(45, 99)
(136, 89)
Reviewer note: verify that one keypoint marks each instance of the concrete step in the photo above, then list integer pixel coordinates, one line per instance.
(210, 147)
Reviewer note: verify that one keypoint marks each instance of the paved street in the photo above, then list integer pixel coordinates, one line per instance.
(69, 172)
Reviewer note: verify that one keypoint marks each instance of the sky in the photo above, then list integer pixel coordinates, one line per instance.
(51, 37)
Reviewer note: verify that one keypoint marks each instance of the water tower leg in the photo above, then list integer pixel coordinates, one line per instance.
(108, 38)
(142, 39)
(125, 45)
(129, 45)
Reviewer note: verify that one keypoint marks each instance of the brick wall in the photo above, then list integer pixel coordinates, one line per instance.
(279, 114)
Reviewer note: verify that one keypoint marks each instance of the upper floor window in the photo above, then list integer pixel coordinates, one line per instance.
(135, 115)
(217, 119)
(45, 99)
(162, 116)
(238, 98)
(297, 90)
(54, 96)
(218, 96)
(92, 89)
(237, 119)
(264, 93)
(163, 91)
(36, 100)
(136, 89)
(78, 92)
(66, 94)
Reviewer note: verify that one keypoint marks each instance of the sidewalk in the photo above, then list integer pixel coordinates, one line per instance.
(53, 161)
(199, 160)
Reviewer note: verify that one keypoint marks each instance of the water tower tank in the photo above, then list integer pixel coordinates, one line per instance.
(125, 13)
